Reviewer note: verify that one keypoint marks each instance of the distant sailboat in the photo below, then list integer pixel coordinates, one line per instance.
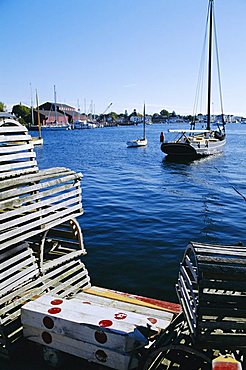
(37, 140)
(200, 143)
(56, 125)
(139, 142)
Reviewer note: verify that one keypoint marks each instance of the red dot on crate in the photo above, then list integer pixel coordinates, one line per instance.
(47, 338)
(105, 323)
(152, 320)
(56, 302)
(54, 310)
(48, 322)
(120, 316)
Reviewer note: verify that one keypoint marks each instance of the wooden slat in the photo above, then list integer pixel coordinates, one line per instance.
(20, 202)
(15, 261)
(16, 148)
(13, 174)
(66, 216)
(15, 157)
(30, 273)
(12, 129)
(223, 284)
(12, 166)
(45, 215)
(191, 267)
(36, 187)
(38, 209)
(14, 138)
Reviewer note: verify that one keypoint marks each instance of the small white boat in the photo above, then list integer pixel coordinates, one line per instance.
(136, 143)
(139, 142)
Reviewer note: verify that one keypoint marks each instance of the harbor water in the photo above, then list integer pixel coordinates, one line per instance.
(141, 210)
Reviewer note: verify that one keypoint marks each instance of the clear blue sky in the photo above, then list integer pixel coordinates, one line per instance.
(120, 51)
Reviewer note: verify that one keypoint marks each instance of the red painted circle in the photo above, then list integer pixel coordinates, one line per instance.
(86, 302)
(101, 356)
(55, 302)
(48, 322)
(120, 316)
(105, 323)
(152, 320)
(47, 338)
(54, 310)
(100, 337)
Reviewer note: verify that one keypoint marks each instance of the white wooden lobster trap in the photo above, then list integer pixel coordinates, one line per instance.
(45, 287)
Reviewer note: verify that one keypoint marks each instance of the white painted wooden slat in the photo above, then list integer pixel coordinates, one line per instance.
(12, 166)
(16, 148)
(12, 260)
(15, 269)
(46, 215)
(33, 199)
(11, 122)
(68, 286)
(4, 176)
(16, 156)
(17, 249)
(60, 260)
(38, 209)
(114, 360)
(37, 177)
(25, 275)
(25, 293)
(15, 138)
(7, 129)
(70, 213)
(36, 187)
(131, 307)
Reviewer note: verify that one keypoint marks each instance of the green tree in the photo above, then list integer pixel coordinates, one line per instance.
(164, 112)
(23, 113)
(2, 107)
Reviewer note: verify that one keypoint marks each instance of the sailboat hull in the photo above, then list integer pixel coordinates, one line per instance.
(188, 150)
(137, 143)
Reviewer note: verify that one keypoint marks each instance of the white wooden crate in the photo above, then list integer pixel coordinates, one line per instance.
(93, 330)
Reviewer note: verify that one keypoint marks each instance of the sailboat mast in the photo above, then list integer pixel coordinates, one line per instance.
(210, 63)
(144, 122)
(39, 123)
(55, 104)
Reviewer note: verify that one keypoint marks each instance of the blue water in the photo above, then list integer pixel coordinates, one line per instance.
(141, 210)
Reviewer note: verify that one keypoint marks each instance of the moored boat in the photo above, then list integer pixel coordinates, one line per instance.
(192, 143)
(139, 142)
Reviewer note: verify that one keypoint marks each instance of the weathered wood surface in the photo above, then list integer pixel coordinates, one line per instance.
(117, 328)
(31, 200)
(41, 243)
(212, 291)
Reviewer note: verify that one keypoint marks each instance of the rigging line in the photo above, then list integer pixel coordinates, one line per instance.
(233, 187)
(201, 70)
(218, 68)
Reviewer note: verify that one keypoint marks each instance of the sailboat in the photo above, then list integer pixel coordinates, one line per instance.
(139, 142)
(195, 143)
(56, 125)
(37, 140)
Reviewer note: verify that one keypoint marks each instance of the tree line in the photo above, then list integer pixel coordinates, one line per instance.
(24, 114)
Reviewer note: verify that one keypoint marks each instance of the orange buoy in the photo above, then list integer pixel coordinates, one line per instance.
(226, 362)
(161, 137)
